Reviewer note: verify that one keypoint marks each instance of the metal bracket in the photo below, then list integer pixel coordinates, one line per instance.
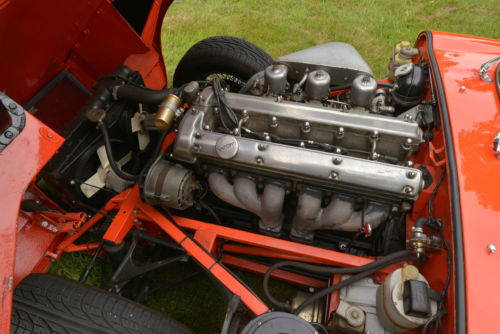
(484, 68)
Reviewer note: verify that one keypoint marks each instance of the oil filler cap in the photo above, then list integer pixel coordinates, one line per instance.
(278, 323)
(226, 147)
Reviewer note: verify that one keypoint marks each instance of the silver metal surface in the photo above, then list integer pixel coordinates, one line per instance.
(340, 214)
(318, 85)
(226, 147)
(363, 90)
(169, 185)
(363, 294)
(353, 174)
(341, 60)
(243, 194)
(326, 122)
(483, 70)
(275, 78)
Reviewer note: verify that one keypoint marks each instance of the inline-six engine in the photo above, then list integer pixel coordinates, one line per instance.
(314, 129)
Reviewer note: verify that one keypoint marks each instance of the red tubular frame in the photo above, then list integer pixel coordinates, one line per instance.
(202, 246)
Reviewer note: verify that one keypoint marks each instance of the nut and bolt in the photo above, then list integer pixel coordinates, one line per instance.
(408, 189)
(12, 106)
(261, 147)
(267, 138)
(45, 224)
(307, 127)
(334, 175)
(244, 113)
(302, 144)
(274, 122)
(374, 135)
(340, 132)
(206, 127)
(8, 134)
(259, 160)
(411, 174)
(197, 134)
(409, 163)
(462, 88)
(491, 248)
(337, 160)
(408, 118)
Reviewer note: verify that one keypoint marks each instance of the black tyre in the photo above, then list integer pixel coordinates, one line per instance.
(50, 304)
(232, 59)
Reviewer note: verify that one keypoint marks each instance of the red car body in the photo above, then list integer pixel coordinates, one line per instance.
(90, 39)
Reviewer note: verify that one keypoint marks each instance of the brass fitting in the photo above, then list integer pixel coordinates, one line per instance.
(166, 111)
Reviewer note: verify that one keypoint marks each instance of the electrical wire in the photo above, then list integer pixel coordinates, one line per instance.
(367, 268)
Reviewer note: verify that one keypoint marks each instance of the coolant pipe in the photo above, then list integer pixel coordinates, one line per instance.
(339, 215)
(243, 194)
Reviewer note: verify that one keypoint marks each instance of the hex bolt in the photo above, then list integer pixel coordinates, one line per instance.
(244, 113)
(411, 174)
(302, 144)
(197, 134)
(259, 160)
(408, 118)
(274, 122)
(407, 144)
(374, 135)
(491, 248)
(45, 224)
(374, 156)
(261, 147)
(206, 127)
(307, 127)
(12, 106)
(267, 138)
(8, 134)
(338, 150)
(334, 175)
(340, 132)
(408, 189)
(462, 88)
(337, 160)
(409, 163)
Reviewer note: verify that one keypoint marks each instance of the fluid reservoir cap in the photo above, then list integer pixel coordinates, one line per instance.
(410, 272)
(226, 147)
(278, 323)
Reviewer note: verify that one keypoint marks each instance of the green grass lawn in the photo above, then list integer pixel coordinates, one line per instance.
(282, 27)
(285, 26)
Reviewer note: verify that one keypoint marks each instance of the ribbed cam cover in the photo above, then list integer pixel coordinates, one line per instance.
(341, 60)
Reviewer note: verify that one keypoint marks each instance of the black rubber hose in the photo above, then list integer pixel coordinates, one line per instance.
(389, 259)
(111, 159)
(139, 94)
(370, 268)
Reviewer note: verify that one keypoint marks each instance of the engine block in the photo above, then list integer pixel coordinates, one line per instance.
(323, 149)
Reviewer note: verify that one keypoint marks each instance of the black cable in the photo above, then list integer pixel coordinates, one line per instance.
(109, 153)
(375, 265)
(405, 255)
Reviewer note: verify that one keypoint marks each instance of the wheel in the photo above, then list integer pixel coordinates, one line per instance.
(233, 59)
(50, 304)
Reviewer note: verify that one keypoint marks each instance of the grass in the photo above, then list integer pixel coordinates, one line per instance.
(282, 27)
(285, 26)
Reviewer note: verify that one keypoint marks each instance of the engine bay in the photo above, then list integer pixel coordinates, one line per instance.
(312, 150)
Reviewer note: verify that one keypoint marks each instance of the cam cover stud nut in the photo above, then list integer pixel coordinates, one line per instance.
(491, 248)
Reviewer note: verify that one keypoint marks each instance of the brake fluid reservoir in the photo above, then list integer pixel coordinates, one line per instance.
(403, 302)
